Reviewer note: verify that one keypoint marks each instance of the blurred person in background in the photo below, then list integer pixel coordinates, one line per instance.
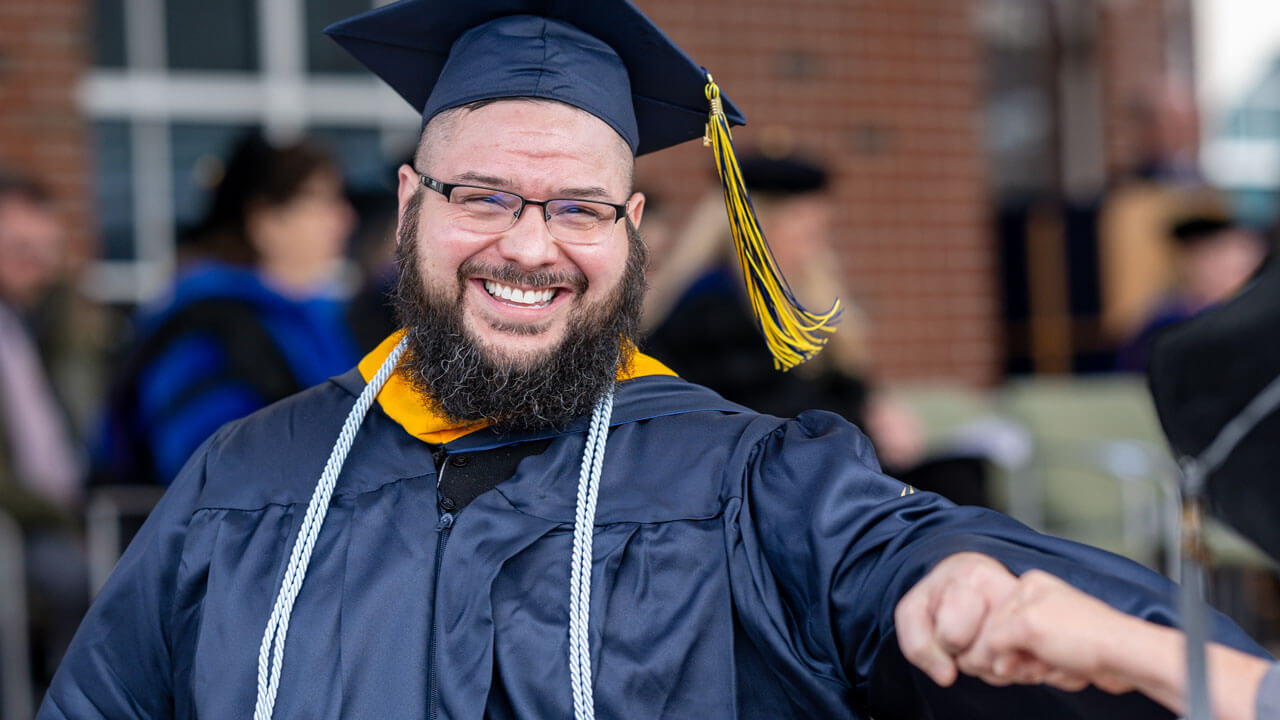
(1166, 132)
(697, 314)
(1213, 258)
(41, 467)
(258, 312)
(1152, 190)
(371, 313)
(700, 323)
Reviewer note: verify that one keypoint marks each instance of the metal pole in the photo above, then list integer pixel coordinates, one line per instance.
(1191, 593)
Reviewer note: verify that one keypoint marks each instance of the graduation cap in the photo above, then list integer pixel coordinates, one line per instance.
(1212, 380)
(601, 56)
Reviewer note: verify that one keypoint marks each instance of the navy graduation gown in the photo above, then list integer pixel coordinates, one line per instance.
(745, 566)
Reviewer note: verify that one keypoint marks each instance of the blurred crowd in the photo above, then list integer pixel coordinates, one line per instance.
(270, 297)
(264, 303)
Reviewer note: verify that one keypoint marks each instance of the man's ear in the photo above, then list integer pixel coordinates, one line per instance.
(410, 183)
(635, 208)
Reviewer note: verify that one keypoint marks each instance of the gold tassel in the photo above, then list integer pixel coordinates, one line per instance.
(792, 333)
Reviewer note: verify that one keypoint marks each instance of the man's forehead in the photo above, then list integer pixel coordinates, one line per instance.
(529, 131)
(525, 112)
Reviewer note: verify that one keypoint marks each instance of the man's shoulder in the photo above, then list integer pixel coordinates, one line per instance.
(277, 454)
(686, 414)
(658, 396)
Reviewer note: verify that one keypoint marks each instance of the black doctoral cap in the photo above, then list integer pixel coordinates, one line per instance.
(603, 56)
(1203, 373)
(785, 175)
(606, 58)
(1197, 227)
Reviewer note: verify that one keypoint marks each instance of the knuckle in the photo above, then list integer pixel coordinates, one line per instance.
(913, 644)
(954, 639)
(1038, 580)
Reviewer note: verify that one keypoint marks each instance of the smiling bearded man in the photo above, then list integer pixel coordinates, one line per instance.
(463, 380)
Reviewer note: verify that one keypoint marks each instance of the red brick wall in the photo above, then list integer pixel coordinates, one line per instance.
(889, 93)
(44, 48)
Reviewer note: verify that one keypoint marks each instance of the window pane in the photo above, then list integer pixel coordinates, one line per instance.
(198, 153)
(359, 154)
(113, 189)
(371, 187)
(108, 33)
(204, 35)
(323, 54)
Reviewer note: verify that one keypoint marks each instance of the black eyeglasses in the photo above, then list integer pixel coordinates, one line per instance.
(489, 210)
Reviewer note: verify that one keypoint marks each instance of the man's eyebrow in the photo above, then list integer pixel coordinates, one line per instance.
(585, 192)
(492, 181)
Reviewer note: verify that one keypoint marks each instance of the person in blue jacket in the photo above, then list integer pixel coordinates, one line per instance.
(256, 314)
(506, 511)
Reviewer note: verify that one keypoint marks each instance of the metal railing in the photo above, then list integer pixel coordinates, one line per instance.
(15, 644)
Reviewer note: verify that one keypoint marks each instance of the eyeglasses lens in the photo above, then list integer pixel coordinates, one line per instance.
(488, 210)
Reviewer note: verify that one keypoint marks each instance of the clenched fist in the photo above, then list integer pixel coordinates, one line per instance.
(941, 621)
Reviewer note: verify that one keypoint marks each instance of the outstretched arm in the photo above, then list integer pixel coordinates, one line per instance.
(1039, 629)
(829, 549)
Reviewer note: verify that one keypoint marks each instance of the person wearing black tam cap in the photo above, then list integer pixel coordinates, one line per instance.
(700, 318)
(520, 515)
(1214, 257)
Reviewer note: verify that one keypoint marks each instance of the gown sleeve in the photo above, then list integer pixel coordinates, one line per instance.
(121, 663)
(824, 545)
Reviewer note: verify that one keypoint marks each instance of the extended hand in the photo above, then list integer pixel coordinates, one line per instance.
(1049, 632)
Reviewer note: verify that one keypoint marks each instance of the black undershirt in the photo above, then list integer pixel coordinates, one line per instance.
(463, 477)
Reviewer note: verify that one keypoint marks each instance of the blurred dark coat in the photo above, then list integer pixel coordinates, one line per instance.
(223, 346)
(710, 338)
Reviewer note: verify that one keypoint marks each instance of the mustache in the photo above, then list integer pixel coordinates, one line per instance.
(459, 377)
(511, 274)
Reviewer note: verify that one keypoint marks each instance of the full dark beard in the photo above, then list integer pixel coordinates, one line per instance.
(465, 382)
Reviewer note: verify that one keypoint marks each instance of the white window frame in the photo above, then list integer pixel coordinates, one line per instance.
(282, 97)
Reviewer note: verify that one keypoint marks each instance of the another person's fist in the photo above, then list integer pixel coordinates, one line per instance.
(1049, 632)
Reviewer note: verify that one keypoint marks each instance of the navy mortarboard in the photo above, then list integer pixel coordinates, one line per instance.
(604, 57)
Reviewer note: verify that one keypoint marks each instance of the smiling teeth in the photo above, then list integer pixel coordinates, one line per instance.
(518, 296)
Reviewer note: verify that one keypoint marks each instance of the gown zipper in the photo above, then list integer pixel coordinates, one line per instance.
(443, 527)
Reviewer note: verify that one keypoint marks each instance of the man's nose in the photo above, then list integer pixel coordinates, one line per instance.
(528, 242)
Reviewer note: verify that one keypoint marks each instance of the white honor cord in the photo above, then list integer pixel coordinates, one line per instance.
(271, 654)
(580, 574)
